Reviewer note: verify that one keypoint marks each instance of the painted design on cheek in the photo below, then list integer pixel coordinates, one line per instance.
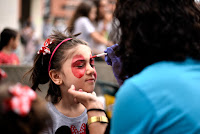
(95, 74)
(78, 66)
(92, 64)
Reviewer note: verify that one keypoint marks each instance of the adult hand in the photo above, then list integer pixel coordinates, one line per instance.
(114, 61)
(89, 100)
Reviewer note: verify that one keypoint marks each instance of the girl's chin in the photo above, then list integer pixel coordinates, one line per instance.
(88, 90)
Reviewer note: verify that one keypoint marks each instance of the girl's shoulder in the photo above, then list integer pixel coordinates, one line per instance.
(2, 53)
(8, 55)
(83, 19)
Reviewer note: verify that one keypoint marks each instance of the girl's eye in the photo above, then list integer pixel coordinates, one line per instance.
(92, 63)
(80, 66)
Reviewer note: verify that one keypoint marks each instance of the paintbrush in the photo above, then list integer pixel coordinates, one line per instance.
(99, 55)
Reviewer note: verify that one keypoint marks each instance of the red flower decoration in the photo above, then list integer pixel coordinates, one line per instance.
(45, 50)
(21, 100)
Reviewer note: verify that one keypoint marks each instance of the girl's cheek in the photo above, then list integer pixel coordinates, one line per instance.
(95, 73)
(78, 61)
(78, 72)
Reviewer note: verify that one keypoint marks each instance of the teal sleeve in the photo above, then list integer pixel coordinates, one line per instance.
(132, 111)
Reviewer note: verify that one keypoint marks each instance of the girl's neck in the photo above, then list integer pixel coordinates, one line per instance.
(68, 107)
(7, 50)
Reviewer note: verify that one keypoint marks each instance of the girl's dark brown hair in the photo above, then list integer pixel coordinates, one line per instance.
(156, 30)
(39, 72)
(83, 9)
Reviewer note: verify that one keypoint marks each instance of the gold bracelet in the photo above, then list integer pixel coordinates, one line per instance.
(102, 119)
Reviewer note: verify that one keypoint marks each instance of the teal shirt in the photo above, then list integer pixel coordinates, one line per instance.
(162, 99)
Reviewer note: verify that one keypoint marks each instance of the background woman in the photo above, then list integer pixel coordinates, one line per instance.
(83, 22)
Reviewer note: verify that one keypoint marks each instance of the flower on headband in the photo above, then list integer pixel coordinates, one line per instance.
(2, 74)
(21, 99)
(45, 50)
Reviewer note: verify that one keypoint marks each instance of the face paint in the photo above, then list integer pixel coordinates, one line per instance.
(92, 65)
(78, 66)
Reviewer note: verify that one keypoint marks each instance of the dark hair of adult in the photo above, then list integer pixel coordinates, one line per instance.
(83, 9)
(156, 30)
(40, 68)
(6, 35)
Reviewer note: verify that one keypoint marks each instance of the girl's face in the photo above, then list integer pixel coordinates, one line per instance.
(93, 13)
(103, 7)
(79, 69)
(15, 42)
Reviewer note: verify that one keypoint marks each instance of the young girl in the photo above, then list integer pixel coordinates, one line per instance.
(21, 110)
(65, 61)
(9, 41)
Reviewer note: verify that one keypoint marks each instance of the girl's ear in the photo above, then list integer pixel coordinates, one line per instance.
(55, 76)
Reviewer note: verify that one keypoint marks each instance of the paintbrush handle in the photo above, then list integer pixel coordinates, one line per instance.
(99, 55)
(102, 54)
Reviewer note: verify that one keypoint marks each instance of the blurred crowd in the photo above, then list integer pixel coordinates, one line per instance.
(91, 18)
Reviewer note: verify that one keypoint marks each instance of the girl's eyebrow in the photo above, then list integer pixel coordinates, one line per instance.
(78, 59)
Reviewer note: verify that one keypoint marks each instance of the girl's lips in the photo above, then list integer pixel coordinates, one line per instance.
(90, 80)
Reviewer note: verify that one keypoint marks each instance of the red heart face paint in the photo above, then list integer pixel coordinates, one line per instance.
(78, 66)
(92, 64)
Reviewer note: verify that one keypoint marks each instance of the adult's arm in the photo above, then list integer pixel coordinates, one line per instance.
(97, 37)
(90, 101)
(86, 25)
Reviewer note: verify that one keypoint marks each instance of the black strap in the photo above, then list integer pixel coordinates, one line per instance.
(96, 109)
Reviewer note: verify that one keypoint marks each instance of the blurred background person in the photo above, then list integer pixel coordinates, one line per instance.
(47, 27)
(8, 43)
(103, 22)
(58, 24)
(104, 16)
(31, 42)
(83, 21)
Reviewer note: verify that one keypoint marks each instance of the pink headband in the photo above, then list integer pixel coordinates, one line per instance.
(55, 51)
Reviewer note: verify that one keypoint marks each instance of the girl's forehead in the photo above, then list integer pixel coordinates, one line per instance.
(83, 47)
(83, 50)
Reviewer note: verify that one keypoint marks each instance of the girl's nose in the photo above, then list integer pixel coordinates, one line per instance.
(90, 70)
